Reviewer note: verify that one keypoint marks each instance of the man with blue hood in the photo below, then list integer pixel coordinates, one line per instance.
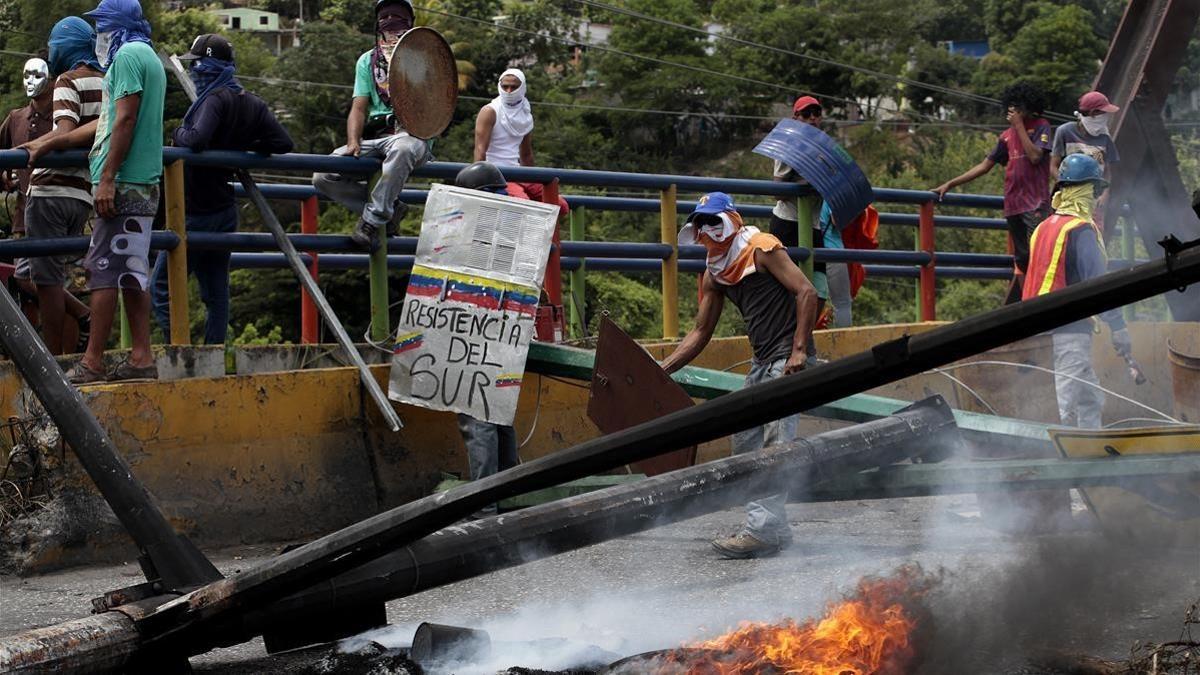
(224, 117)
(60, 200)
(125, 166)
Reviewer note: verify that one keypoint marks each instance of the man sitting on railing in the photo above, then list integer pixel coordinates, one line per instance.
(752, 269)
(224, 117)
(371, 131)
(504, 134)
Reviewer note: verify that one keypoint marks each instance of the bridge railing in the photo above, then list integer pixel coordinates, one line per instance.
(257, 250)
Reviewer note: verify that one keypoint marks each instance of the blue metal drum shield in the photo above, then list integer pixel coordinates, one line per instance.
(827, 166)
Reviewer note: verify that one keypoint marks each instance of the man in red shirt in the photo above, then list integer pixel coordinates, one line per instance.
(1024, 151)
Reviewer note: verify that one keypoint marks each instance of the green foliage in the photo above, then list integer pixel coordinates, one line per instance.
(250, 335)
(1059, 53)
(175, 31)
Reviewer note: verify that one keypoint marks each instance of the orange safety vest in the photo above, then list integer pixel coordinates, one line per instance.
(1047, 255)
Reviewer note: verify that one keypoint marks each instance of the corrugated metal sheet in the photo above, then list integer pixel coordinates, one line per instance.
(823, 163)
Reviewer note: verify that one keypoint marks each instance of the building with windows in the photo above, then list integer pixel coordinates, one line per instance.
(265, 25)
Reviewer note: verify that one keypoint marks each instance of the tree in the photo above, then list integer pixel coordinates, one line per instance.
(936, 65)
(1058, 52)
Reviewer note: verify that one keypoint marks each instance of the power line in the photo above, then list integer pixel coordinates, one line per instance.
(979, 98)
(685, 66)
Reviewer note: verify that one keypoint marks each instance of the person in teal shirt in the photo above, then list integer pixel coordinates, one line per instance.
(371, 131)
(126, 165)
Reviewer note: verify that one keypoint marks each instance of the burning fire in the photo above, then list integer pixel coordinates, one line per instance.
(868, 633)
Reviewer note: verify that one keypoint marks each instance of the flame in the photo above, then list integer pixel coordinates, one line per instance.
(868, 633)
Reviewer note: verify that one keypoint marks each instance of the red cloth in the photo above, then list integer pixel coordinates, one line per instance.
(861, 234)
(534, 192)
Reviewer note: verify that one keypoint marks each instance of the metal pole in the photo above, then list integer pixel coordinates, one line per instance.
(177, 272)
(308, 309)
(123, 317)
(553, 280)
(178, 622)
(377, 272)
(306, 281)
(1128, 247)
(927, 282)
(166, 554)
(805, 206)
(578, 232)
(669, 224)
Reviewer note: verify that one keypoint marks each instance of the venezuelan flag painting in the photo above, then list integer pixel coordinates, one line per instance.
(408, 342)
(424, 284)
(520, 302)
(482, 293)
(509, 380)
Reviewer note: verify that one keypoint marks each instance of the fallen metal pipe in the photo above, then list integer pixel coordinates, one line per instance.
(183, 621)
(464, 551)
(483, 546)
(167, 557)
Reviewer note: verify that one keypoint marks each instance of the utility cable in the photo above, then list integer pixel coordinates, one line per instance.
(978, 98)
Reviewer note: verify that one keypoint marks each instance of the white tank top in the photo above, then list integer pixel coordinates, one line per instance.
(505, 147)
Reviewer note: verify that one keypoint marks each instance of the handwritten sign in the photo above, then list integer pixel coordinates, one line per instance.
(469, 312)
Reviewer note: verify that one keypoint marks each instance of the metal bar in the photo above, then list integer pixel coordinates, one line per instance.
(553, 276)
(804, 231)
(177, 268)
(32, 248)
(10, 159)
(309, 317)
(308, 283)
(669, 236)
(183, 620)
(578, 232)
(920, 480)
(927, 284)
(377, 274)
(167, 555)
(126, 332)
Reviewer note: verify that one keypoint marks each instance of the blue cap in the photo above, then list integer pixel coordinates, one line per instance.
(712, 204)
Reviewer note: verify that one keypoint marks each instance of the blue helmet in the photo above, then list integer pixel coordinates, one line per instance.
(1077, 168)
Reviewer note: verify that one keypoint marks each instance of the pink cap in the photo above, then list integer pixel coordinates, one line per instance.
(804, 102)
(1094, 100)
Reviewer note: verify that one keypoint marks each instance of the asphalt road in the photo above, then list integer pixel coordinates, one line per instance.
(1000, 597)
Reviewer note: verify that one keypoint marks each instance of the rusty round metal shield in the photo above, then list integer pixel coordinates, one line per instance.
(423, 82)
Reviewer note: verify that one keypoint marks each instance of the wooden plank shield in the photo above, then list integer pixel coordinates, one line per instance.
(629, 388)
(423, 82)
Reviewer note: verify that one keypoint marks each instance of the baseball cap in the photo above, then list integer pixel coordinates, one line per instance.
(1094, 100)
(804, 102)
(209, 44)
(712, 204)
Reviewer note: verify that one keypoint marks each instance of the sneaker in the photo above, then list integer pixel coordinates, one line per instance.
(365, 236)
(126, 371)
(744, 545)
(80, 373)
(399, 210)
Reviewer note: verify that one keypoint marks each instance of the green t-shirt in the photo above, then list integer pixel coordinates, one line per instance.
(134, 70)
(364, 85)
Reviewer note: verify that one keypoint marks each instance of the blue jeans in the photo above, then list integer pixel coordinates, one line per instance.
(766, 518)
(212, 272)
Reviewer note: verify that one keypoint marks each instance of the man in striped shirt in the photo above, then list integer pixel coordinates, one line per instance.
(60, 200)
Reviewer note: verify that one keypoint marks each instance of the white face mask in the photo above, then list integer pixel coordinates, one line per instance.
(36, 77)
(515, 96)
(1096, 125)
(103, 42)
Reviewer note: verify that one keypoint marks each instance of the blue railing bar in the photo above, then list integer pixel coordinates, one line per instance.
(974, 259)
(33, 248)
(964, 222)
(331, 261)
(610, 249)
(447, 171)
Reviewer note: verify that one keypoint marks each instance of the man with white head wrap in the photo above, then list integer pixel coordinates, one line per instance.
(504, 133)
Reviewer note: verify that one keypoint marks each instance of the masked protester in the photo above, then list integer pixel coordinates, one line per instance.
(60, 199)
(224, 117)
(1021, 150)
(504, 134)
(125, 167)
(1088, 135)
(372, 131)
(23, 125)
(19, 127)
(754, 272)
(1066, 249)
